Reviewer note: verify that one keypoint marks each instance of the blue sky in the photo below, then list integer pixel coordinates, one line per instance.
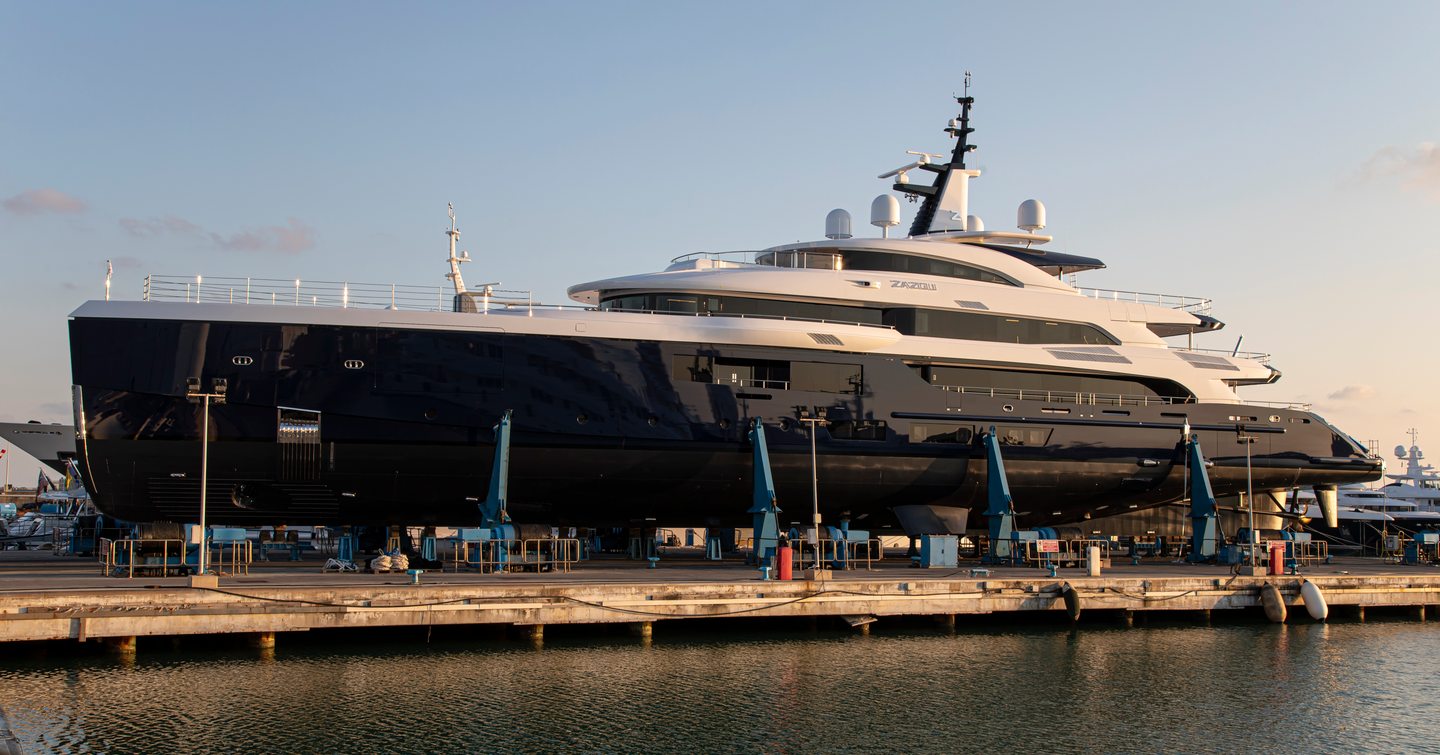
(1279, 158)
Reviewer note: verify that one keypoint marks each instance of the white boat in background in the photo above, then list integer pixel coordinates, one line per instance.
(51, 444)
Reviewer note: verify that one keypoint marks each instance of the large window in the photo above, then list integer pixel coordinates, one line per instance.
(739, 305)
(1039, 383)
(864, 259)
(970, 326)
(860, 259)
(821, 377)
(935, 323)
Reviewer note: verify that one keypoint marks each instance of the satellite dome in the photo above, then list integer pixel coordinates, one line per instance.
(837, 225)
(1031, 215)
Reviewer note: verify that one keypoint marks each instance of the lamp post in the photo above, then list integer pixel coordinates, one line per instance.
(196, 395)
(815, 479)
(1248, 440)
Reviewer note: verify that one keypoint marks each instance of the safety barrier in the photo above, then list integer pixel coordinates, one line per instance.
(1307, 552)
(125, 557)
(231, 557)
(829, 553)
(540, 554)
(1067, 552)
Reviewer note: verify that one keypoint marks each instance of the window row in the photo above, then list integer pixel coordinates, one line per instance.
(822, 377)
(865, 259)
(935, 323)
(1061, 384)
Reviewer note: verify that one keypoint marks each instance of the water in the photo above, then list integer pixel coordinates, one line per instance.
(1301, 688)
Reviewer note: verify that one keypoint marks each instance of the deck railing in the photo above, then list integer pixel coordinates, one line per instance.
(1259, 356)
(1092, 398)
(1195, 305)
(313, 293)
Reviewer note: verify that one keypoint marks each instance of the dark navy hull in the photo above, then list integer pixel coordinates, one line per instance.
(604, 432)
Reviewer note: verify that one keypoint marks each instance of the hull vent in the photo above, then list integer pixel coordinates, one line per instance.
(825, 339)
(298, 435)
(1094, 354)
(967, 304)
(1207, 362)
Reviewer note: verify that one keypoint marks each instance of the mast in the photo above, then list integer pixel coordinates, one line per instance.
(454, 274)
(946, 203)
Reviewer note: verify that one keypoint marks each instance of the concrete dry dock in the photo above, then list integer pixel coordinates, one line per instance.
(46, 598)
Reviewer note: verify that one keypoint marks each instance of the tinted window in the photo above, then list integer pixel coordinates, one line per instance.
(826, 378)
(903, 263)
(940, 433)
(971, 326)
(1065, 387)
(738, 305)
(856, 429)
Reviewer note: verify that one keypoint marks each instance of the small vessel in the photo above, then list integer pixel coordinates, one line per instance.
(51, 445)
(890, 357)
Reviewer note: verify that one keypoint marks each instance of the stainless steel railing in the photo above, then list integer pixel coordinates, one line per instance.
(1195, 305)
(312, 293)
(1106, 399)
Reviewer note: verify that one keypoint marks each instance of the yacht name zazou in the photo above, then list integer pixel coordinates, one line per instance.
(377, 404)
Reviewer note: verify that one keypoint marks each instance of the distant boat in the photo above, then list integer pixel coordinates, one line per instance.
(51, 445)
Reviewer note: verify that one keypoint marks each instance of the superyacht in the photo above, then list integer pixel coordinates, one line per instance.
(376, 404)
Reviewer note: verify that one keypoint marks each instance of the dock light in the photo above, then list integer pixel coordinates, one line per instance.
(812, 421)
(193, 393)
(1249, 440)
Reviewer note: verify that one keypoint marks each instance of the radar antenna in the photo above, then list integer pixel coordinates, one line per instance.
(945, 205)
(455, 262)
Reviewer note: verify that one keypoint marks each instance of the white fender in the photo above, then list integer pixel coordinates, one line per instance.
(1314, 600)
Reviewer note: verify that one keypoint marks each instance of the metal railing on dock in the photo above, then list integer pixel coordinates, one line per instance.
(125, 557)
(540, 554)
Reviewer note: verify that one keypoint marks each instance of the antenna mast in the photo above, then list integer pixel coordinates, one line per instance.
(454, 234)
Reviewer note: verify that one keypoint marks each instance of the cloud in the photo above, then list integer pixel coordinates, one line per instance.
(1417, 168)
(1353, 393)
(41, 201)
(148, 229)
(292, 238)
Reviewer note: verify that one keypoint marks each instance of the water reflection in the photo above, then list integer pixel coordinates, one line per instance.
(1294, 688)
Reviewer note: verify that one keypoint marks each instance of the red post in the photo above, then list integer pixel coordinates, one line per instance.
(1277, 556)
(785, 567)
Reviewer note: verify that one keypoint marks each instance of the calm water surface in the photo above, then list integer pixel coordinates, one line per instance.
(1252, 687)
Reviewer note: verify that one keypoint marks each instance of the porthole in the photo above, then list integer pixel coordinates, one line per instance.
(354, 364)
(582, 418)
(725, 424)
(786, 424)
(1274, 418)
(431, 414)
(242, 361)
(1008, 407)
(652, 420)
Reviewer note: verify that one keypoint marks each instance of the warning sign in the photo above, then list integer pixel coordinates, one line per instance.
(1047, 546)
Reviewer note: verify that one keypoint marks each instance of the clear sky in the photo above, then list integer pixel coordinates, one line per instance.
(1279, 158)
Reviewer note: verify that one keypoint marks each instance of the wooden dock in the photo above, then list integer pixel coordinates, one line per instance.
(47, 598)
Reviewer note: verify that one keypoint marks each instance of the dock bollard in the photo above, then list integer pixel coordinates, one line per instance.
(1093, 561)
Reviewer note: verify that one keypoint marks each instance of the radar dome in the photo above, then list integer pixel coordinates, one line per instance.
(1399, 452)
(837, 225)
(1031, 215)
(974, 223)
(885, 212)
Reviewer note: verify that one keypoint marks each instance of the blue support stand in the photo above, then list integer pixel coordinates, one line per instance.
(1000, 507)
(1204, 517)
(762, 506)
(345, 548)
(492, 510)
